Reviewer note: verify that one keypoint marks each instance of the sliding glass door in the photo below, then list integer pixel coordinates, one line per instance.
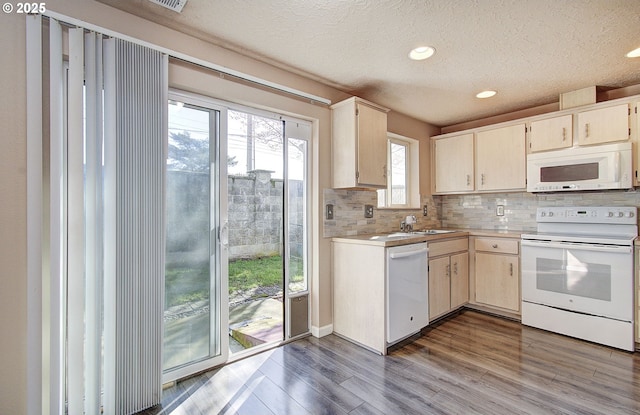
(268, 222)
(256, 235)
(194, 311)
(236, 232)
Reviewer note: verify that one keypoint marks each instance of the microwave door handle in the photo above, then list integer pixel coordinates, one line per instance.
(616, 166)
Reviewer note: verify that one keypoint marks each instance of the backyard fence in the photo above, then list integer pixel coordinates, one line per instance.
(255, 205)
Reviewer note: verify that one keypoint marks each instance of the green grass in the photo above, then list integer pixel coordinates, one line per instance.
(245, 274)
(185, 284)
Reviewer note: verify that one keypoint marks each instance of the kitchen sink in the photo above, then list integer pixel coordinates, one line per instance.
(396, 235)
(432, 231)
(400, 235)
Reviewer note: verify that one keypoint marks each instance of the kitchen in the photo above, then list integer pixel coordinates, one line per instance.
(466, 211)
(558, 170)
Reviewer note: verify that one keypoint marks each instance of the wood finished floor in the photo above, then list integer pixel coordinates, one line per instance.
(472, 363)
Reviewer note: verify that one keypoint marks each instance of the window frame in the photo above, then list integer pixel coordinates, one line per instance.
(411, 169)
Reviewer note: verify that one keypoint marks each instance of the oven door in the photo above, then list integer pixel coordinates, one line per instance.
(587, 278)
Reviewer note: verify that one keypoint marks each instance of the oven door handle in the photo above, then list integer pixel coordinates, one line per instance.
(579, 246)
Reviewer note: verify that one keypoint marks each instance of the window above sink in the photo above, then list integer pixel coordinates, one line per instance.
(402, 190)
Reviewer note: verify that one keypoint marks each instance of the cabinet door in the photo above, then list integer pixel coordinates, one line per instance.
(453, 160)
(551, 134)
(459, 279)
(372, 146)
(500, 158)
(439, 287)
(603, 125)
(497, 280)
(359, 314)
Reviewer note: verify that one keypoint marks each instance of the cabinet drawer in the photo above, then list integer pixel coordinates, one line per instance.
(498, 245)
(448, 247)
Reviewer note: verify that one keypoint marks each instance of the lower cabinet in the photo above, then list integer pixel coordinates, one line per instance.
(448, 276)
(497, 273)
(359, 294)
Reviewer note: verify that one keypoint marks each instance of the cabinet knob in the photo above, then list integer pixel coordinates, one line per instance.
(494, 246)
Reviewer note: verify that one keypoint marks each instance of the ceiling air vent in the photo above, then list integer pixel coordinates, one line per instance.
(175, 5)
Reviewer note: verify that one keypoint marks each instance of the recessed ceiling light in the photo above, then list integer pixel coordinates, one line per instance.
(422, 52)
(634, 53)
(485, 94)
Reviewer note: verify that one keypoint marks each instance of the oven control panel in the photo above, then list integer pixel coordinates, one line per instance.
(585, 214)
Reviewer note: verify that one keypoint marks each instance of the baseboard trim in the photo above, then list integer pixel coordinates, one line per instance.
(321, 331)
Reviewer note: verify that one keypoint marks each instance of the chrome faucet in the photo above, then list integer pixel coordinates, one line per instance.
(407, 224)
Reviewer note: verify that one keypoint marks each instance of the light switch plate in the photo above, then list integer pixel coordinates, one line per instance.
(329, 212)
(500, 210)
(425, 210)
(368, 211)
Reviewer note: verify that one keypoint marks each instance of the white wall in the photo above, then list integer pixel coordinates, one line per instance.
(13, 229)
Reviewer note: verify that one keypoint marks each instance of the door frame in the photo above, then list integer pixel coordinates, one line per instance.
(218, 240)
(220, 233)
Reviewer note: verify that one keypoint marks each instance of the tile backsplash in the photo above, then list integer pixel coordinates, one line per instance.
(348, 214)
(471, 211)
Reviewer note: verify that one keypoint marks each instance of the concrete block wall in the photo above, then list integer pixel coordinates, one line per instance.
(255, 203)
(255, 215)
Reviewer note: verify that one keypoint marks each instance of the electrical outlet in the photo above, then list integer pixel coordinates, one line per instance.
(368, 211)
(329, 211)
(500, 210)
(425, 210)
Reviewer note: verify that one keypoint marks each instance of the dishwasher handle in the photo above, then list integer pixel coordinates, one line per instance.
(396, 255)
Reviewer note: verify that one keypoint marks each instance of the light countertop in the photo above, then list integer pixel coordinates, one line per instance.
(380, 240)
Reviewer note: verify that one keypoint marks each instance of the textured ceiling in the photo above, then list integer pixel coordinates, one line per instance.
(530, 51)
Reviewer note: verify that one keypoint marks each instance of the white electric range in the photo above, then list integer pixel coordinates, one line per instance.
(577, 273)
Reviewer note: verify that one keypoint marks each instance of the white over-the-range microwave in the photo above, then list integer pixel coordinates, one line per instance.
(599, 167)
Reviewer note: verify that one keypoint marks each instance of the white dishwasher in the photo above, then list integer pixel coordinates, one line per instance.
(407, 291)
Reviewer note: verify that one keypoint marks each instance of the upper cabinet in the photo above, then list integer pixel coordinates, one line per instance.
(359, 144)
(498, 152)
(501, 159)
(595, 126)
(499, 163)
(551, 133)
(603, 125)
(453, 164)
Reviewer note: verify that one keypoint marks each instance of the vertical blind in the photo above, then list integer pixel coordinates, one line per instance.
(106, 279)
(141, 113)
